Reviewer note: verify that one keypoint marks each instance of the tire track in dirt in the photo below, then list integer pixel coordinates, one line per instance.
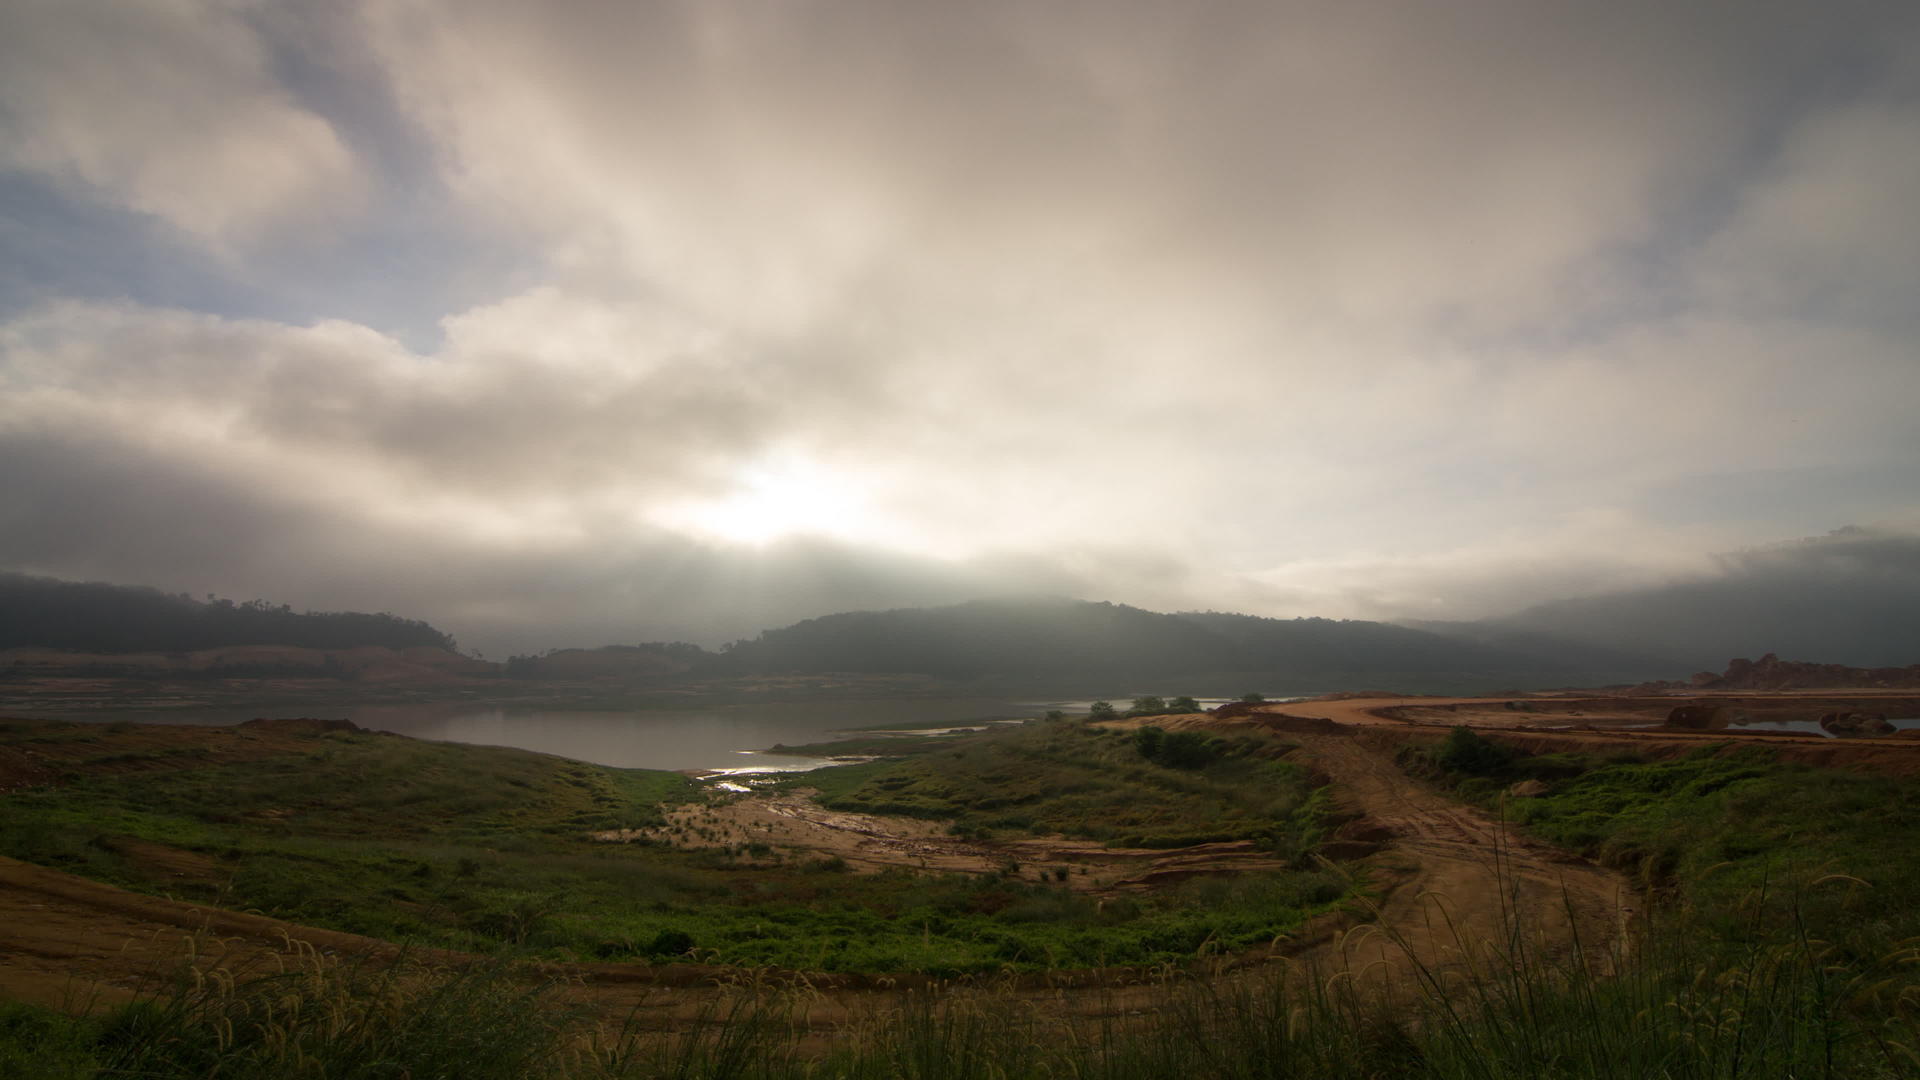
(1457, 892)
(1460, 891)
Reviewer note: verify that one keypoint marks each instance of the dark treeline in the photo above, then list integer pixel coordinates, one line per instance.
(650, 658)
(95, 617)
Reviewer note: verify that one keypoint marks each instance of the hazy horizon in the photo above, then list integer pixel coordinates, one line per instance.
(621, 322)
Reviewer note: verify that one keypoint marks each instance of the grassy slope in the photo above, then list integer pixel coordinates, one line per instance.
(1723, 832)
(476, 847)
(1786, 901)
(1063, 777)
(1757, 964)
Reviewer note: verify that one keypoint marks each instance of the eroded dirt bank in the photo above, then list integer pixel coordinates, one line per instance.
(1613, 723)
(792, 825)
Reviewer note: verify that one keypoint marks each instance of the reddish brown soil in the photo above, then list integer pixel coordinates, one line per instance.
(1615, 724)
(794, 825)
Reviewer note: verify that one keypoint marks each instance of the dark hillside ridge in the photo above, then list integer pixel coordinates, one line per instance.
(92, 617)
(1358, 644)
(1051, 638)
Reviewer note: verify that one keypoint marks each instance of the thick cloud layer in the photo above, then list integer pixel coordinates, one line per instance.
(742, 313)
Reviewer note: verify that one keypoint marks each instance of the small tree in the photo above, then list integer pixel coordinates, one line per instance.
(1100, 710)
(1147, 706)
(1255, 698)
(1183, 704)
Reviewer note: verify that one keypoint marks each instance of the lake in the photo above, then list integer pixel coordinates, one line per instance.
(715, 739)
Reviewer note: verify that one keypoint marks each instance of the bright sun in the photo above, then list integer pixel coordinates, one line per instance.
(774, 501)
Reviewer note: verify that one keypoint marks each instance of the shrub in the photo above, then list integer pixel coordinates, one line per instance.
(1465, 751)
(670, 943)
(1189, 750)
(1149, 741)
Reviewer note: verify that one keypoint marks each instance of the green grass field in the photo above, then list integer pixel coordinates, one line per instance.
(481, 848)
(1066, 778)
(1730, 837)
(1780, 943)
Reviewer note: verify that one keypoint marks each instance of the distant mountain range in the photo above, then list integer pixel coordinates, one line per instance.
(91, 617)
(1060, 641)
(1846, 598)
(1850, 597)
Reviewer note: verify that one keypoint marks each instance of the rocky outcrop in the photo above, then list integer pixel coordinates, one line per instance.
(1772, 673)
(1527, 789)
(1853, 725)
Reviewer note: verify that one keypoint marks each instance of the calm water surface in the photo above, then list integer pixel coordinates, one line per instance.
(717, 738)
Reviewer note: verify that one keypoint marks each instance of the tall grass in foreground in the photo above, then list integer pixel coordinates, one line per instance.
(1681, 1006)
(319, 1017)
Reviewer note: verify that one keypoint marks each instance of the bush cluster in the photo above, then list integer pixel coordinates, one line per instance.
(1179, 749)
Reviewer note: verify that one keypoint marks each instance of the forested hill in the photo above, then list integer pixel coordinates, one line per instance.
(1066, 638)
(99, 618)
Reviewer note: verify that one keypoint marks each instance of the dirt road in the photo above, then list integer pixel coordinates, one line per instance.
(1457, 890)
(1462, 892)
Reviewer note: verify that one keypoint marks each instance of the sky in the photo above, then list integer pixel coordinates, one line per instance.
(568, 323)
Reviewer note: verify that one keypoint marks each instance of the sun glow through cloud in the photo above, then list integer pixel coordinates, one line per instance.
(776, 500)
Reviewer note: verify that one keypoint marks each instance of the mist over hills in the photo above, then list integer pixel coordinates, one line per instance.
(1059, 639)
(1847, 597)
(1032, 642)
